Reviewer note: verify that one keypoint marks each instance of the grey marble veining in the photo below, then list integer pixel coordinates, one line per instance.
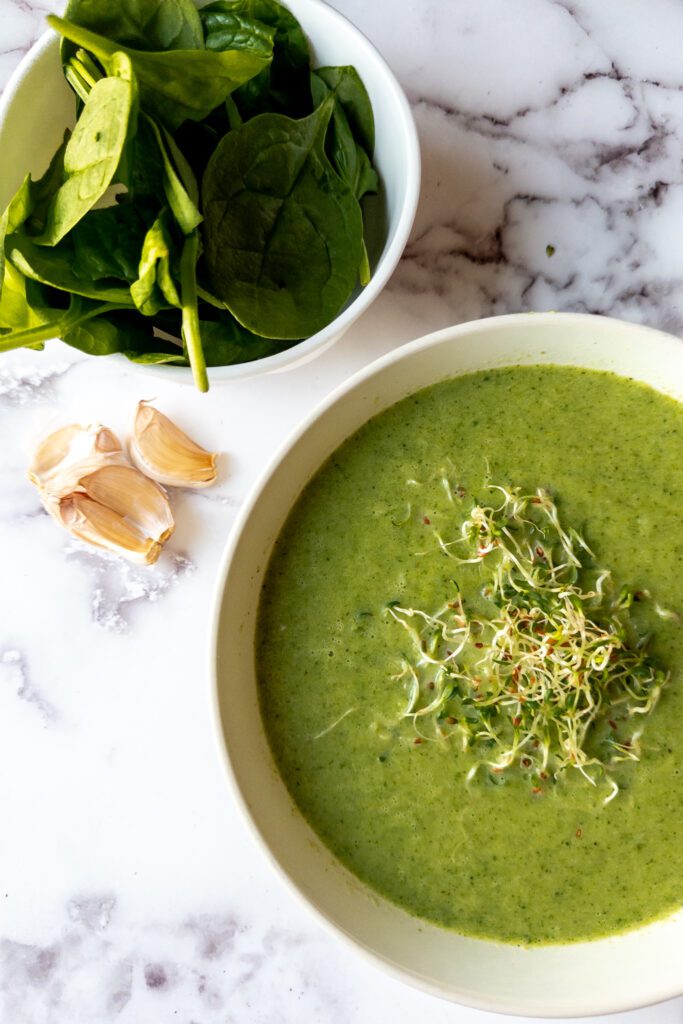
(130, 890)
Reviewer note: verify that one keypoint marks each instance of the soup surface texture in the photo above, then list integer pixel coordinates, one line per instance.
(487, 857)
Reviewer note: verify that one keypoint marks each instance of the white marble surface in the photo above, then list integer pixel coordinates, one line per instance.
(130, 889)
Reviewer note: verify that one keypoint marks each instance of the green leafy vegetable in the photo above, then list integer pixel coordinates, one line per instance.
(141, 170)
(23, 303)
(143, 24)
(126, 332)
(175, 358)
(226, 342)
(352, 97)
(103, 335)
(116, 248)
(351, 136)
(283, 232)
(30, 203)
(281, 87)
(229, 30)
(352, 107)
(179, 183)
(176, 84)
(91, 156)
(15, 214)
(107, 243)
(220, 18)
(54, 266)
(20, 207)
(58, 325)
(155, 288)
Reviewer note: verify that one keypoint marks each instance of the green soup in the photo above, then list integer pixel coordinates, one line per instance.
(483, 858)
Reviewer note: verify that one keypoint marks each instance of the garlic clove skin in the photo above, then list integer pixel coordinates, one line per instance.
(133, 497)
(90, 521)
(163, 452)
(63, 457)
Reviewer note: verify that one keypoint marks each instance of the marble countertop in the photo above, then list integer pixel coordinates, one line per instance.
(130, 889)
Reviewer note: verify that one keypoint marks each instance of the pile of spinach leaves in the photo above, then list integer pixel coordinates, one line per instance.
(205, 210)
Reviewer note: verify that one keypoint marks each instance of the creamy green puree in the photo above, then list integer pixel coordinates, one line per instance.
(489, 857)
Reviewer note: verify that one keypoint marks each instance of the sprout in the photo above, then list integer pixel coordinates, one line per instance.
(334, 724)
(527, 687)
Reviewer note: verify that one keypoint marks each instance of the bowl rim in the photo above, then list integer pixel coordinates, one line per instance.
(512, 1008)
(310, 347)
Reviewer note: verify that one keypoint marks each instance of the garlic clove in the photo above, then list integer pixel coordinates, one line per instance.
(70, 453)
(86, 482)
(134, 497)
(51, 452)
(163, 452)
(90, 521)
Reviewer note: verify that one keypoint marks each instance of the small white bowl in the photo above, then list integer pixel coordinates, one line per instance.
(617, 973)
(37, 106)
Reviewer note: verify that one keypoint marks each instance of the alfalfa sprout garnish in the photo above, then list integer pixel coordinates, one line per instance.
(557, 677)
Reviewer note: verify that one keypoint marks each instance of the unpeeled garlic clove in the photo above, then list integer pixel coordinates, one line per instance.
(70, 453)
(97, 524)
(163, 452)
(51, 452)
(134, 497)
(86, 482)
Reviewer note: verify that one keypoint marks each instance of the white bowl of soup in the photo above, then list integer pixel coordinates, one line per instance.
(469, 766)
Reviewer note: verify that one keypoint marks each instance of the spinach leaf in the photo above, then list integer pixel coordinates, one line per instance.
(96, 337)
(55, 267)
(191, 335)
(352, 96)
(283, 232)
(58, 325)
(18, 309)
(19, 206)
(179, 182)
(230, 30)
(226, 343)
(185, 324)
(45, 188)
(205, 294)
(154, 166)
(352, 121)
(107, 243)
(348, 156)
(282, 86)
(144, 24)
(224, 340)
(117, 331)
(155, 358)
(14, 215)
(124, 332)
(91, 156)
(142, 167)
(217, 20)
(29, 204)
(176, 84)
(23, 303)
(235, 119)
(155, 288)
